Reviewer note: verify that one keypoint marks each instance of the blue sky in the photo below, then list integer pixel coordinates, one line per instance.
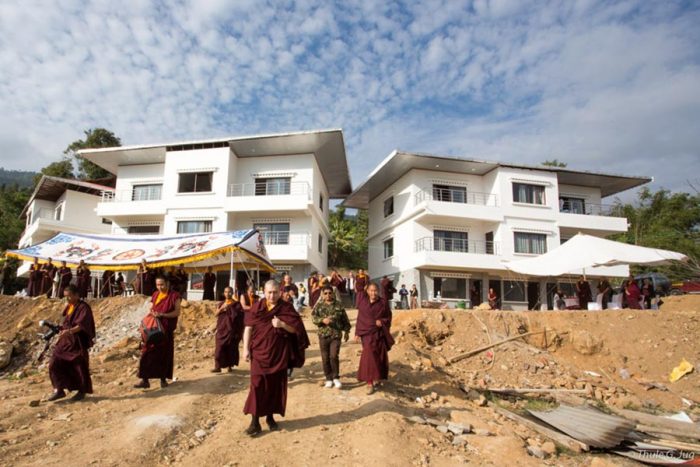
(607, 86)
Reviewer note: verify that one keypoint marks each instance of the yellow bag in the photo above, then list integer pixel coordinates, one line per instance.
(683, 368)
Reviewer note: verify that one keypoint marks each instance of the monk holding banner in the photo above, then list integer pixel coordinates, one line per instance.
(273, 341)
(229, 331)
(69, 367)
(373, 329)
(158, 354)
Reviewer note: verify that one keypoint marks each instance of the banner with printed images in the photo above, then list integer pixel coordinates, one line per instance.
(196, 251)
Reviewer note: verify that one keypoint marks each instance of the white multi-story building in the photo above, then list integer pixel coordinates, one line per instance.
(447, 224)
(280, 184)
(63, 205)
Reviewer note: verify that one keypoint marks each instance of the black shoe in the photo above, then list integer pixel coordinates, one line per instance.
(78, 396)
(230, 369)
(271, 423)
(253, 429)
(59, 394)
(143, 384)
(163, 383)
(216, 370)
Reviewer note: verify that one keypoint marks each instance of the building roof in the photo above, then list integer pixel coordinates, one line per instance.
(398, 163)
(328, 147)
(51, 188)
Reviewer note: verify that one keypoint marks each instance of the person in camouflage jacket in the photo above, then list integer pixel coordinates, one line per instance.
(333, 324)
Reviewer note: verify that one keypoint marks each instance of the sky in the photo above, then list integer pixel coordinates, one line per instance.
(601, 85)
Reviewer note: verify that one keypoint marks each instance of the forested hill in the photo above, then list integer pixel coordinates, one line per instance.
(21, 178)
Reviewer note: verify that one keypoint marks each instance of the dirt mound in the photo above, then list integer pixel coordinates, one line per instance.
(681, 303)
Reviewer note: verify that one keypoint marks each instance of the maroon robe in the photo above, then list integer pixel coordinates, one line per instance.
(314, 291)
(361, 283)
(208, 284)
(584, 294)
(107, 283)
(65, 275)
(229, 332)
(83, 282)
(69, 367)
(633, 295)
(376, 341)
(272, 352)
(388, 289)
(48, 273)
(35, 276)
(157, 360)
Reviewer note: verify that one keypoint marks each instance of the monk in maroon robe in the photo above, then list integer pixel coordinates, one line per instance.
(35, 276)
(583, 292)
(633, 294)
(273, 341)
(157, 360)
(208, 285)
(229, 332)
(314, 288)
(48, 273)
(69, 367)
(361, 281)
(373, 329)
(83, 282)
(64, 277)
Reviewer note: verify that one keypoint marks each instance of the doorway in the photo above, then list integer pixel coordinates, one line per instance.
(533, 295)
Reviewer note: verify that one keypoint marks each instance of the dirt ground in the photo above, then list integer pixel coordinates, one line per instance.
(198, 420)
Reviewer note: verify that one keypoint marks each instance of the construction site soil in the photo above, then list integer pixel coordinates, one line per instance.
(616, 359)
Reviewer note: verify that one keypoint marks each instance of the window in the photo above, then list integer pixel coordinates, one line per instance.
(59, 212)
(274, 234)
(191, 227)
(445, 240)
(320, 201)
(530, 194)
(572, 205)
(450, 287)
(513, 291)
(144, 229)
(388, 248)
(489, 243)
(320, 243)
(195, 182)
(146, 192)
(273, 186)
(450, 194)
(389, 206)
(106, 221)
(532, 243)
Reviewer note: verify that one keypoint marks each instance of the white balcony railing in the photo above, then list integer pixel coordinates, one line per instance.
(456, 195)
(125, 196)
(43, 213)
(589, 209)
(454, 245)
(267, 189)
(286, 238)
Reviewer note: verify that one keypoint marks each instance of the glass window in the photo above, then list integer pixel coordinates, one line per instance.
(195, 182)
(191, 227)
(320, 243)
(144, 229)
(572, 205)
(320, 201)
(273, 186)
(532, 243)
(389, 206)
(274, 234)
(59, 212)
(388, 248)
(530, 194)
(514, 291)
(146, 192)
(450, 194)
(450, 287)
(106, 221)
(445, 240)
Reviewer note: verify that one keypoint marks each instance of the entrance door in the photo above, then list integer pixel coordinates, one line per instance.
(489, 243)
(533, 295)
(475, 292)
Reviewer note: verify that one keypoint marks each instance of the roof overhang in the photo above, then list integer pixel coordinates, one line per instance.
(52, 188)
(397, 164)
(328, 147)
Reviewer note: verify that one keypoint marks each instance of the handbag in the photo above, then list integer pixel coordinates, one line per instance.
(152, 331)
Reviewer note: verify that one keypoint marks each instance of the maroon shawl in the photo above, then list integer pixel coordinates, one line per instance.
(166, 305)
(229, 331)
(367, 315)
(361, 282)
(71, 346)
(273, 349)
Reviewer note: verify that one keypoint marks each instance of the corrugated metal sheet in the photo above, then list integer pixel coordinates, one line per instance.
(588, 425)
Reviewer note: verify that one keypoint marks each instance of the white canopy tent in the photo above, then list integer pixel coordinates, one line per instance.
(583, 252)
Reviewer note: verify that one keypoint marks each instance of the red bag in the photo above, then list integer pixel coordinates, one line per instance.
(152, 330)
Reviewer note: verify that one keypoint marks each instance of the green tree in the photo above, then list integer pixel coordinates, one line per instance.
(347, 246)
(554, 163)
(94, 138)
(12, 201)
(62, 168)
(662, 219)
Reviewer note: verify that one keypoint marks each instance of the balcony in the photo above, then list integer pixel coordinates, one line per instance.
(444, 253)
(134, 202)
(252, 197)
(443, 203)
(590, 217)
(41, 219)
(287, 246)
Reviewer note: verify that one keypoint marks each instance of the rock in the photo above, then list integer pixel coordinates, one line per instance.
(482, 401)
(455, 428)
(417, 419)
(20, 374)
(433, 421)
(586, 343)
(52, 443)
(200, 434)
(34, 403)
(459, 441)
(549, 448)
(481, 432)
(536, 452)
(442, 429)
(6, 350)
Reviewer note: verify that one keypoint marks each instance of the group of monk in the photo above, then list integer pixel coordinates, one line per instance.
(50, 280)
(273, 334)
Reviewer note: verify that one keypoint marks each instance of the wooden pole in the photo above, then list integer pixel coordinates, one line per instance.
(486, 347)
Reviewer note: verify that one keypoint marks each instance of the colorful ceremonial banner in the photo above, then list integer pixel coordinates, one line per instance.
(196, 251)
